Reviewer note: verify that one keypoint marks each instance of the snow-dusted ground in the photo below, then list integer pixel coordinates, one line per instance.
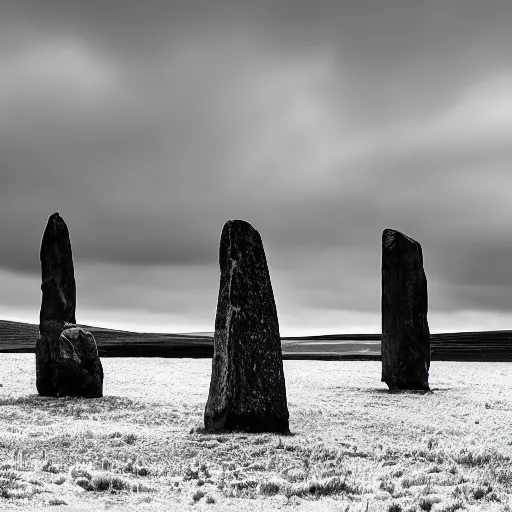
(354, 446)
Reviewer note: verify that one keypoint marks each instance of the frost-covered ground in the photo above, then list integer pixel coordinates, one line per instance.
(354, 446)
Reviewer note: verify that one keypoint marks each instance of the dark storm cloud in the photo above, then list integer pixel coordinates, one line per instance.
(148, 124)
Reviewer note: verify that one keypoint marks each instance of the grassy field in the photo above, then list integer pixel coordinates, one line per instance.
(354, 446)
(18, 337)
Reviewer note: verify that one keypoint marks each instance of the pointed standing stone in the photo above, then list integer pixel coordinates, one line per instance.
(405, 345)
(247, 388)
(59, 291)
(57, 314)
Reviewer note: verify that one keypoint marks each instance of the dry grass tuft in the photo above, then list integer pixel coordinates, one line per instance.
(55, 502)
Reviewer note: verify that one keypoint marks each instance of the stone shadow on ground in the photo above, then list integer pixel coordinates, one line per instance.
(213, 434)
(380, 391)
(103, 404)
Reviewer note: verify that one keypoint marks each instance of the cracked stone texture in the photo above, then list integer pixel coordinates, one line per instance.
(247, 387)
(58, 306)
(77, 370)
(405, 345)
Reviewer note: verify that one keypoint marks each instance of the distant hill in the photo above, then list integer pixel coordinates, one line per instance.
(462, 346)
(208, 334)
(21, 337)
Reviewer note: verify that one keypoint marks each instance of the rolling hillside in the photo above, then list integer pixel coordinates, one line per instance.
(457, 346)
(463, 346)
(21, 337)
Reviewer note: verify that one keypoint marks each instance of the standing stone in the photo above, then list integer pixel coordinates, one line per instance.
(247, 387)
(59, 291)
(405, 345)
(58, 314)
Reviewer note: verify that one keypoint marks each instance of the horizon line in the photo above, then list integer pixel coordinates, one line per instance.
(211, 333)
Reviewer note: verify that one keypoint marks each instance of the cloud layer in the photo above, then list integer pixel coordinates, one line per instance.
(147, 125)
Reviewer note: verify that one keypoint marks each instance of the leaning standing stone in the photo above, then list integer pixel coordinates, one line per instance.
(58, 306)
(247, 388)
(405, 345)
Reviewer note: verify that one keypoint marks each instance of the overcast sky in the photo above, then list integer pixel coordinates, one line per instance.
(149, 124)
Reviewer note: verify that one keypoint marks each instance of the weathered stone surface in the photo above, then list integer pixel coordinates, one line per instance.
(77, 369)
(58, 306)
(44, 381)
(405, 346)
(59, 291)
(247, 388)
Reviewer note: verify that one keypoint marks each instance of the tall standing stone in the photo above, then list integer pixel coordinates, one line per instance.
(57, 314)
(405, 345)
(247, 387)
(58, 302)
